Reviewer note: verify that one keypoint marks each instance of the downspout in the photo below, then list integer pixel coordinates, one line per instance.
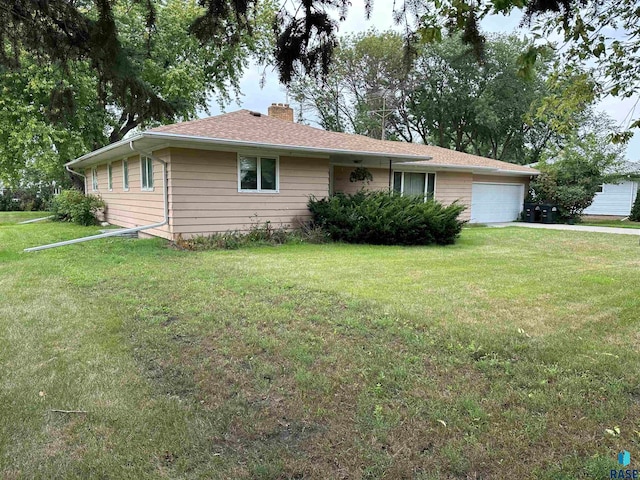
(73, 172)
(165, 182)
(390, 177)
(126, 230)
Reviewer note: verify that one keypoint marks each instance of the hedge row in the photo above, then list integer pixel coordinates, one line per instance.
(382, 218)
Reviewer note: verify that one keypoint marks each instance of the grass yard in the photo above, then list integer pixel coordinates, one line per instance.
(7, 218)
(507, 355)
(611, 223)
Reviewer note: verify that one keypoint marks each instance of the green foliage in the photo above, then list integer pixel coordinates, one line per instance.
(36, 137)
(572, 175)
(258, 235)
(635, 210)
(387, 219)
(360, 174)
(76, 207)
(7, 203)
(53, 110)
(604, 33)
(24, 200)
(445, 97)
(481, 108)
(368, 78)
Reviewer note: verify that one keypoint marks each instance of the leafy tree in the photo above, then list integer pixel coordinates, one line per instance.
(60, 31)
(56, 109)
(36, 137)
(571, 175)
(484, 108)
(605, 31)
(368, 79)
(447, 98)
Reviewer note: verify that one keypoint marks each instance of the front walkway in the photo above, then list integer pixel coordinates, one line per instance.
(576, 228)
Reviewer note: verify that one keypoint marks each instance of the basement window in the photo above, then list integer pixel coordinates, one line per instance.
(146, 174)
(415, 183)
(258, 174)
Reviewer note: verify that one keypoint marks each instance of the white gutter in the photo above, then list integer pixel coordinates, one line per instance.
(74, 172)
(126, 230)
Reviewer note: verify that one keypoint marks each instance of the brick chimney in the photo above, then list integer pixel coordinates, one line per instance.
(282, 111)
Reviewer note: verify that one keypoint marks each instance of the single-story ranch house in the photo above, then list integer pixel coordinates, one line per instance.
(233, 170)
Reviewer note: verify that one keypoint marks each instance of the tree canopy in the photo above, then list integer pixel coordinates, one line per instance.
(57, 107)
(446, 97)
(153, 61)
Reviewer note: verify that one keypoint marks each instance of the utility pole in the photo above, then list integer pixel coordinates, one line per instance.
(384, 113)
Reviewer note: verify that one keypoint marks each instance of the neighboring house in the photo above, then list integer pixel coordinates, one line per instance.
(616, 199)
(234, 170)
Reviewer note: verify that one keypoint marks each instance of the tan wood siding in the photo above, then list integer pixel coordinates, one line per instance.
(205, 197)
(452, 186)
(341, 183)
(135, 207)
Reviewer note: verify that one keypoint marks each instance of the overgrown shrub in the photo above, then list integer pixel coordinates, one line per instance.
(28, 200)
(387, 219)
(74, 206)
(635, 210)
(259, 234)
(8, 203)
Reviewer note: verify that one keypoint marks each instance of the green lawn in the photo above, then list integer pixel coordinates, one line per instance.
(611, 223)
(16, 217)
(507, 355)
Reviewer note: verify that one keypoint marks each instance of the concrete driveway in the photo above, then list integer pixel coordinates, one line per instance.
(575, 228)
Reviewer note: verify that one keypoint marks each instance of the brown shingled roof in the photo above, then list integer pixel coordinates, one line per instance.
(246, 126)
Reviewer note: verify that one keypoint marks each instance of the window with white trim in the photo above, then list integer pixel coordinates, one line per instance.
(94, 179)
(146, 174)
(258, 174)
(600, 188)
(415, 183)
(125, 175)
(109, 177)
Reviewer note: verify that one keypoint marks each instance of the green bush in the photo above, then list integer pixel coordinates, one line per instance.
(387, 219)
(635, 211)
(74, 206)
(28, 200)
(8, 203)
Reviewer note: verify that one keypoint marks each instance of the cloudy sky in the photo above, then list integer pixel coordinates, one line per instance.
(256, 98)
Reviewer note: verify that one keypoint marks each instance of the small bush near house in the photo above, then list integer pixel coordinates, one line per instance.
(387, 219)
(74, 206)
(635, 210)
(257, 235)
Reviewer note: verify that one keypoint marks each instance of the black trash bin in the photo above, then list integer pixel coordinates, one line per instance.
(537, 214)
(549, 213)
(529, 212)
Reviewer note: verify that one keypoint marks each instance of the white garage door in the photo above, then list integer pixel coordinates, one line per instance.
(496, 202)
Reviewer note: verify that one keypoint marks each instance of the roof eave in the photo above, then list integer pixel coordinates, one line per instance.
(87, 158)
(105, 153)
